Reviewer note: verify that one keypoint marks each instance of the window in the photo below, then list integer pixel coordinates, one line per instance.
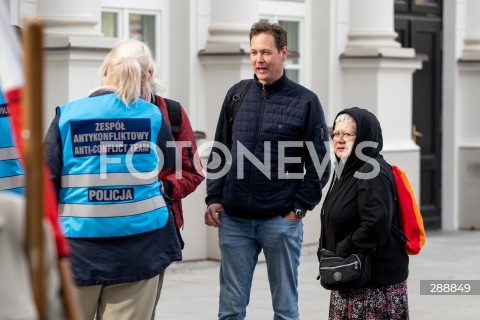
(294, 61)
(292, 65)
(110, 24)
(145, 19)
(143, 26)
(127, 24)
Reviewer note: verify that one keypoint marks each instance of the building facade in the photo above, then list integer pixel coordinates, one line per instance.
(414, 63)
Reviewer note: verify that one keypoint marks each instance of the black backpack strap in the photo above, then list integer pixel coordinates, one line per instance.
(174, 114)
(237, 99)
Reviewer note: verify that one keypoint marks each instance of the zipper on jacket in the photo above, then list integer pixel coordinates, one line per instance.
(262, 111)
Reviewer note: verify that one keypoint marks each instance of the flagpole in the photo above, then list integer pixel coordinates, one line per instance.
(32, 133)
(32, 99)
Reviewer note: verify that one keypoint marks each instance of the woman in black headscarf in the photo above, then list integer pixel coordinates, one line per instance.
(357, 216)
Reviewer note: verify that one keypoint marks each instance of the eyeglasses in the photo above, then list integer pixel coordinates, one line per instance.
(345, 136)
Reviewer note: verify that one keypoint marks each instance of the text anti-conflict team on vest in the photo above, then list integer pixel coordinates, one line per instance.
(113, 157)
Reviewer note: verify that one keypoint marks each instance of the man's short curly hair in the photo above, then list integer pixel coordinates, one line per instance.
(275, 29)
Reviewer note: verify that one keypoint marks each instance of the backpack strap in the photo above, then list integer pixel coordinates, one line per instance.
(237, 99)
(397, 231)
(174, 114)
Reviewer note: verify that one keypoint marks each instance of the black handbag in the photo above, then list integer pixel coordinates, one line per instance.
(338, 273)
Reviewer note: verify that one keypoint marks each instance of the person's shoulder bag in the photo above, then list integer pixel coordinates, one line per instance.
(341, 273)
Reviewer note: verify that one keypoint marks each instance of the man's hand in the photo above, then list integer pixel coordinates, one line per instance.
(291, 216)
(211, 215)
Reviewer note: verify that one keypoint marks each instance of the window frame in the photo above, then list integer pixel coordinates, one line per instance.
(123, 27)
(300, 66)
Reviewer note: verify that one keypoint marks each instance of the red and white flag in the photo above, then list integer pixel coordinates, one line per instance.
(11, 80)
(11, 72)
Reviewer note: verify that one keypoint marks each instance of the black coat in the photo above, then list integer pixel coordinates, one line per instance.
(358, 212)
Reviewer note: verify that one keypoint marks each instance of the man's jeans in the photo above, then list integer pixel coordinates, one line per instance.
(241, 241)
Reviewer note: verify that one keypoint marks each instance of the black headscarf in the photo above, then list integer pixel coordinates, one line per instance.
(368, 129)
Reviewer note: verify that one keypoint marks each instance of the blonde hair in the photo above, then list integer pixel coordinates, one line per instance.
(127, 67)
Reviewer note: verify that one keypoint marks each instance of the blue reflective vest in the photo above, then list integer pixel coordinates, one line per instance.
(109, 182)
(12, 176)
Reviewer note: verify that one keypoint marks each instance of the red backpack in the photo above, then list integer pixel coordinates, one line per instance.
(411, 220)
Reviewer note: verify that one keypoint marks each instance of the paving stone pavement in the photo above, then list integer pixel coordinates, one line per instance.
(190, 290)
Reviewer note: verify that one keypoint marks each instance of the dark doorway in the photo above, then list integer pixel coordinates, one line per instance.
(419, 26)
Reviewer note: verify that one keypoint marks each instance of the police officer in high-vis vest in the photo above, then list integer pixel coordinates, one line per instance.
(11, 173)
(105, 152)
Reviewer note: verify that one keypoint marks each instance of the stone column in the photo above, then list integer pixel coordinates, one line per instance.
(70, 18)
(371, 30)
(226, 61)
(469, 113)
(471, 49)
(230, 25)
(75, 49)
(225, 57)
(377, 75)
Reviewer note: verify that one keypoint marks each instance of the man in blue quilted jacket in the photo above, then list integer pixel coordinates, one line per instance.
(276, 162)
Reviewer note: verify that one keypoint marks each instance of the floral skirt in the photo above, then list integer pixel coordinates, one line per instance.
(389, 302)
